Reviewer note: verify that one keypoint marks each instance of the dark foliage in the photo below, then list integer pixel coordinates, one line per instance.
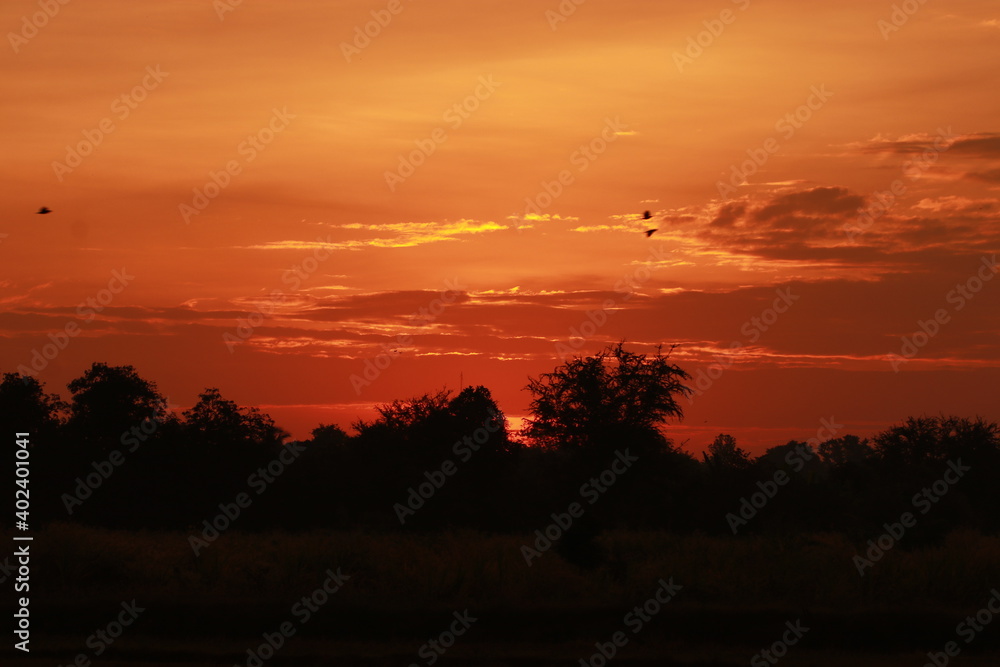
(116, 456)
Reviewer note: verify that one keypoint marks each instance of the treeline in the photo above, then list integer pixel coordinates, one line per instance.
(115, 455)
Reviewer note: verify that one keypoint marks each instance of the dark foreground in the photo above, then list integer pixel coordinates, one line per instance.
(223, 635)
(735, 597)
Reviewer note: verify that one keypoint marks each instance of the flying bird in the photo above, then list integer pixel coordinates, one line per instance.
(649, 232)
(43, 211)
(647, 215)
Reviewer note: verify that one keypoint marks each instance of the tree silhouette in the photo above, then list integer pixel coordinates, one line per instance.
(218, 422)
(922, 440)
(329, 435)
(110, 400)
(724, 455)
(434, 421)
(451, 462)
(403, 417)
(612, 397)
(24, 405)
(474, 412)
(848, 450)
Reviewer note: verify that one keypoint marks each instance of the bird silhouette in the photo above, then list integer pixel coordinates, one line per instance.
(43, 211)
(649, 232)
(647, 215)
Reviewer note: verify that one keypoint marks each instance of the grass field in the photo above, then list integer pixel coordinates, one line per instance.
(453, 569)
(736, 595)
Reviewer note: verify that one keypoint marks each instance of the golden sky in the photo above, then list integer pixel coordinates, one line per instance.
(279, 193)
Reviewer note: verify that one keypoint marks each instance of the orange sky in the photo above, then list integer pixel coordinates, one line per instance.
(318, 229)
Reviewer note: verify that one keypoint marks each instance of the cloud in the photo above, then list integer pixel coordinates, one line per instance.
(729, 214)
(407, 235)
(603, 228)
(976, 145)
(806, 231)
(988, 176)
(906, 144)
(956, 203)
(822, 201)
(984, 145)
